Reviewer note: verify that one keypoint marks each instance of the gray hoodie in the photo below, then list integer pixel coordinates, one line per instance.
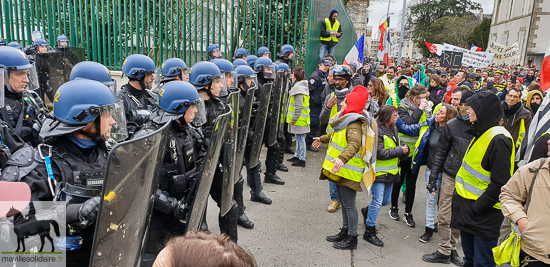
(298, 91)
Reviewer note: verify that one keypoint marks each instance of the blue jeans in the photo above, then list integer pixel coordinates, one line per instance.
(333, 192)
(300, 146)
(324, 49)
(477, 250)
(381, 196)
(431, 200)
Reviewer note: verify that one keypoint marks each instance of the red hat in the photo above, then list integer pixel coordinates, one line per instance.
(520, 79)
(356, 99)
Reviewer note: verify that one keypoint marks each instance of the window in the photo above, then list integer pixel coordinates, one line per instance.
(504, 39)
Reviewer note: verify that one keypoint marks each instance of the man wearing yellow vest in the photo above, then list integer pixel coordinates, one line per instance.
(516, 118)
(330, 32)
(486, 167)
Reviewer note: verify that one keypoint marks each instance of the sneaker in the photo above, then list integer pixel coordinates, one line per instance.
(408, 218)
(293, 159)
(456, 259)
(427, 235)
(394, 213)
(436, 257)
(334, 206)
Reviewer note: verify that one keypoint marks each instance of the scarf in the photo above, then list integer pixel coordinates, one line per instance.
(509, 111)
(409, 105)
(82, 143)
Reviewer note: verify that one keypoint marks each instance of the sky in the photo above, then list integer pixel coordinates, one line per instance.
(378, 10)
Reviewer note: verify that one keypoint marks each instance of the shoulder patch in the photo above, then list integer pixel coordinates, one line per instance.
(448, 88)
(312, 81)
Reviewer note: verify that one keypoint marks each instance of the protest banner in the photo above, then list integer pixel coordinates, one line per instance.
(502, 52)
(470, 58)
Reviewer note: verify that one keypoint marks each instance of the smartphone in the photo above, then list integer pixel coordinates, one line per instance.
(514, 79)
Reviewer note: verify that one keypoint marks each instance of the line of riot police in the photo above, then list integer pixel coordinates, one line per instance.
(142, 161)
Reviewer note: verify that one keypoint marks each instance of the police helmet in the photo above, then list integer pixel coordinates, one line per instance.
(266, 67)
(37, 35)
(137, 66)
(213, 48)
(283, 66)
(246, 72)
(15, 45)
(2, 42)
(92, 71)
(241, 52)
(287, 49)
(342, 71)
(12, 59)
(171, 68)
(39, 42)
(176, 97)
(239, 62)
(276, 66)
(250, 60)
(62, 38)
(203, 73)
(262, 51)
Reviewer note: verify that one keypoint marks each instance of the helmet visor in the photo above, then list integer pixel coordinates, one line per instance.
(112, 86)
(269, 72)
(223, 91)
(113, 122)
(2, 93)
(200, 116)
(231, 80)
(32, 75)
(250, 82)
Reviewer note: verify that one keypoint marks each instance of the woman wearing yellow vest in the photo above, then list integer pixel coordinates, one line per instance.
(298, 119)
(344, 164)
(411, 111)
(390, 151)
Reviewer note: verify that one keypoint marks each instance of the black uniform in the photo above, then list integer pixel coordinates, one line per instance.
(137, 106)
(24, 112)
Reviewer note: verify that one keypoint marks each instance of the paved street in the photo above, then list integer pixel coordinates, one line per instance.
(292, 231)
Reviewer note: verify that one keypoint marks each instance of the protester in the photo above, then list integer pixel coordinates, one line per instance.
(437, 92)
(377, 92)
(298, 117)
(458, 77)
(202, 249)
(533, 101)
(389, 79)
(443, 79)
(487, 166)
(525, 201)
(516, 119)
(344, 164)
(330, 33)
(382, 69)
(390, 151)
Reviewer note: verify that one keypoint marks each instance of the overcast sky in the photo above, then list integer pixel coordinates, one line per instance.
(379, 9)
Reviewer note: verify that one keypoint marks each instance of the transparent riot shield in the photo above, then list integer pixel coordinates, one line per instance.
(284, 104)
(244, 124)
(201, 189)
(133, 170)
(50, 71)
(229, 154)
(275, 108)
(2, 99)
(259, 123)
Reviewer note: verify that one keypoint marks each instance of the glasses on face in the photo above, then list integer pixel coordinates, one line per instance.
(339, 79)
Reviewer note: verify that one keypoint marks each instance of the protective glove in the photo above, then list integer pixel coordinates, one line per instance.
(88, 211)
(432, 187)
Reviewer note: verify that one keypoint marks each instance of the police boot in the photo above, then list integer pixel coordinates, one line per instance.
(228, 223)
(242, 219)
(256, 193)
(281, 155)
(272, 178)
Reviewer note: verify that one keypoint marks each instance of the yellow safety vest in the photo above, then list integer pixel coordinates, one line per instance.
(333, 112)
(472, 180)
(331, 30)
(521, 134)
(354, 168)
(409, 140)
(304, 119)
(388, 166)
(423, 131)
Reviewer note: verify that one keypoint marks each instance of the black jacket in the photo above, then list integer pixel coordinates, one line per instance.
(479, 217)
(436, 94)
(408, 118)
(325, 33)
(451, 147)
(316, 82)
(385, 154)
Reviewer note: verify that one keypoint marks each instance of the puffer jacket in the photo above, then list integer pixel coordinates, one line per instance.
(421, 157)
(451, 148)
(384, 154)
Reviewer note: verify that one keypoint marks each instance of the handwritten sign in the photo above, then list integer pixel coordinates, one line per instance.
(451, 59)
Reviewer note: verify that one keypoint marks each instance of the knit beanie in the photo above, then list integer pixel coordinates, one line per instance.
(356, 100)
(332, 13)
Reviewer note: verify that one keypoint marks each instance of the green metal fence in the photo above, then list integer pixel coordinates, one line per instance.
(110, 30)
(318, 11)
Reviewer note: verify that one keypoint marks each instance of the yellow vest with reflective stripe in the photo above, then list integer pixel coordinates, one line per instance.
(333, 112)
(409, 140)
(472, 180)
(353, 169)
(304, 119)
(331, 30)
(521, 134)
(423, 130)
(388, 166)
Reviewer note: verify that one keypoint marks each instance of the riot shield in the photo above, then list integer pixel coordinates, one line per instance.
(259, 124)
(54, 69)
(229, 153)
(284, 104)
(132, 174)
(275, 108)
(244, 124)
(203, 185)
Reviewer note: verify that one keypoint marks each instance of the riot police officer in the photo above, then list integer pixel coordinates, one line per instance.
(62, 42)
(263, 52)
(213, 52)
(3, 42)
(208, 80)
(137, 99)
(247, 79)
(285, 55)
(285, 141)
(173, 69)
(24, 110)
(93, 71)
(16, 45)
(250, 60)
(241, 53)
(239, 62)
(265, 71)
(70, 165)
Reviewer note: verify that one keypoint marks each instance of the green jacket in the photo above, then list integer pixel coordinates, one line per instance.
(394, 99)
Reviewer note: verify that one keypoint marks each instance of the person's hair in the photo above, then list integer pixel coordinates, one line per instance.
(201, 249)
(352, 69)
(533, 86)
(299, 73)
(415, 92)
(393, 68)
(461, 89)
(450, 112)
(384, 114)
(514, 88)
(406, 72)
(435, 77)
(379, 89)
(383, 64)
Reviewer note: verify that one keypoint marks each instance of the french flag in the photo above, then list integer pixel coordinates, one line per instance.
(475, 48)
(356, 53)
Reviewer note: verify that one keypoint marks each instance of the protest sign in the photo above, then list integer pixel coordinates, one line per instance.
(470, 58)
(451, 59)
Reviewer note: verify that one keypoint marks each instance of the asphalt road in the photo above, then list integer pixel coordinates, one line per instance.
(292, 230)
